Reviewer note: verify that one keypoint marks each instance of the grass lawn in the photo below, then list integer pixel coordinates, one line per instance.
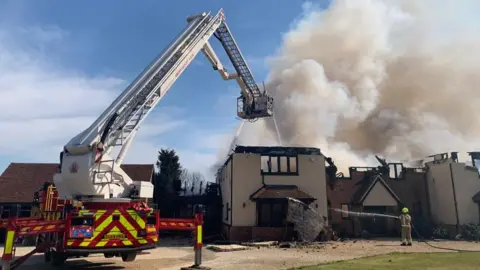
(410, 261)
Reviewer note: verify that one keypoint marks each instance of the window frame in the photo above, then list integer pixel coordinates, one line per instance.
(275, 221)
(279, 169)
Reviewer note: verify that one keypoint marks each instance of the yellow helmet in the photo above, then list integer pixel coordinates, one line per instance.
(404, 210)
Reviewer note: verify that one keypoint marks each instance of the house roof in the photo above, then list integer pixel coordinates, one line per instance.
(278, 150)
(367, 185)
(280, 192)
(20, 180)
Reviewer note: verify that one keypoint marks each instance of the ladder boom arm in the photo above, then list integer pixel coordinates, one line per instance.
(118, 123)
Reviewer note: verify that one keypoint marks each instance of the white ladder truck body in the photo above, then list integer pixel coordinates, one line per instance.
(88, 169)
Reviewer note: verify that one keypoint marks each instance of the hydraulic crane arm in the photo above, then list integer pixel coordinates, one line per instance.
(125, 114)
(118, 124)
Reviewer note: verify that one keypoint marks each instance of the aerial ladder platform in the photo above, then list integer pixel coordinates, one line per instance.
(92, 205)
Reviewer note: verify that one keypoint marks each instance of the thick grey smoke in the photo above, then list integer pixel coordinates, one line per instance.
(396, 78)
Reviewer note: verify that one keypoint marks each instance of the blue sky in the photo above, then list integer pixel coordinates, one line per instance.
(63, 62)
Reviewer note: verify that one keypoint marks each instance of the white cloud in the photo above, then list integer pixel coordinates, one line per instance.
(44, 104)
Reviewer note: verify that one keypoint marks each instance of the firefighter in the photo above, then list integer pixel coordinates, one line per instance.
(406, 223)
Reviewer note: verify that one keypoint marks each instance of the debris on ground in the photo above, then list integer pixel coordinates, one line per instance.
(260, 244)
(302, 245)
(226, 248)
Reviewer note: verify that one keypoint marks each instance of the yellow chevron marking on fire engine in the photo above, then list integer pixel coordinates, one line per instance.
(37, 228)
(69, 243)
(105, 223)
(142, 241)
(128, 226)
(127, 242)
(84, 243)
(49, 227)
(163, 223)
(173, 224)
(101, 243)
(133, 214)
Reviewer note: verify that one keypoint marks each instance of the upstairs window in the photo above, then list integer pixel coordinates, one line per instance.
(279, 165)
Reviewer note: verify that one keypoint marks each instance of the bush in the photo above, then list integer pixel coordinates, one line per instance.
(470, 231)
(441, 232)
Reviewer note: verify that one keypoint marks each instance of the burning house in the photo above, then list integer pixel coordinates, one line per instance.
(444, 192)
(255, 183)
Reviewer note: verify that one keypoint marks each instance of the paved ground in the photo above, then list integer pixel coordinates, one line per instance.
(265, 258)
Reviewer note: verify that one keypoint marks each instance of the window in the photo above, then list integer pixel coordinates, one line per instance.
(292, 161)
(279, 164)
(265, 163)
(283, 164)
(274, 164)
(227, 211)
(345, 209)
(271, 214)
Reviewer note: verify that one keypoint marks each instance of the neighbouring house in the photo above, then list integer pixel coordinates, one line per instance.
(255, 183)
(454, 187)
(367, 189)
(444, 192)
(20, 181)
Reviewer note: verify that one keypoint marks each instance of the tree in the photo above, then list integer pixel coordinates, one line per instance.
(192, 182)
(169, 171)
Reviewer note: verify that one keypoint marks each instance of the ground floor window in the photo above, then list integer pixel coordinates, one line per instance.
(272, 213)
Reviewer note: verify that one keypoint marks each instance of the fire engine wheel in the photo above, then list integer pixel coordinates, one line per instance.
(109, 255)
(129, 256)
(58, 258)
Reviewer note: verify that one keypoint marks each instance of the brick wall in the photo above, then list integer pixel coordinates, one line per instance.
(413, 192)
(244, 234)
(269, 233)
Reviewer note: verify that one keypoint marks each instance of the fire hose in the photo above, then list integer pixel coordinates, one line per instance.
(421, 238)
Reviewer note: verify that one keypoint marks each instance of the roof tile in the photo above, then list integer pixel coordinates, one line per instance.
(280, 192)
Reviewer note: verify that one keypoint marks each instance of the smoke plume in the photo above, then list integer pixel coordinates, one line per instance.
(397, 78)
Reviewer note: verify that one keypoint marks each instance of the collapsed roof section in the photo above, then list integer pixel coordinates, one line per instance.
(278, 150)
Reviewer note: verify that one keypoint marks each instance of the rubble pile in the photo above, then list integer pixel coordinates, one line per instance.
(307, 222)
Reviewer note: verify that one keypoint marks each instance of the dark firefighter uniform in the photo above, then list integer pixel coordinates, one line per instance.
(406, 223)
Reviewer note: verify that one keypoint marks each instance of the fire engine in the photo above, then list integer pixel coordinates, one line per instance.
(93, 206)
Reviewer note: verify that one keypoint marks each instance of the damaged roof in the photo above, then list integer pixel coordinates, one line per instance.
(476, 197)
(20, 180)
(367, 185)
(278, 150)
(280, 192)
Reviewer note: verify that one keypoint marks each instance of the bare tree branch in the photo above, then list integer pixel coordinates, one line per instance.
(192, 182)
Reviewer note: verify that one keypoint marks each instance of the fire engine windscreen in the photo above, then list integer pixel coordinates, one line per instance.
(397, 78)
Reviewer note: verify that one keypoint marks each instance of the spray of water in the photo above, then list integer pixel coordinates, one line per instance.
(308, 223)
(391, 77)
(363, 214)
(277, 131)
